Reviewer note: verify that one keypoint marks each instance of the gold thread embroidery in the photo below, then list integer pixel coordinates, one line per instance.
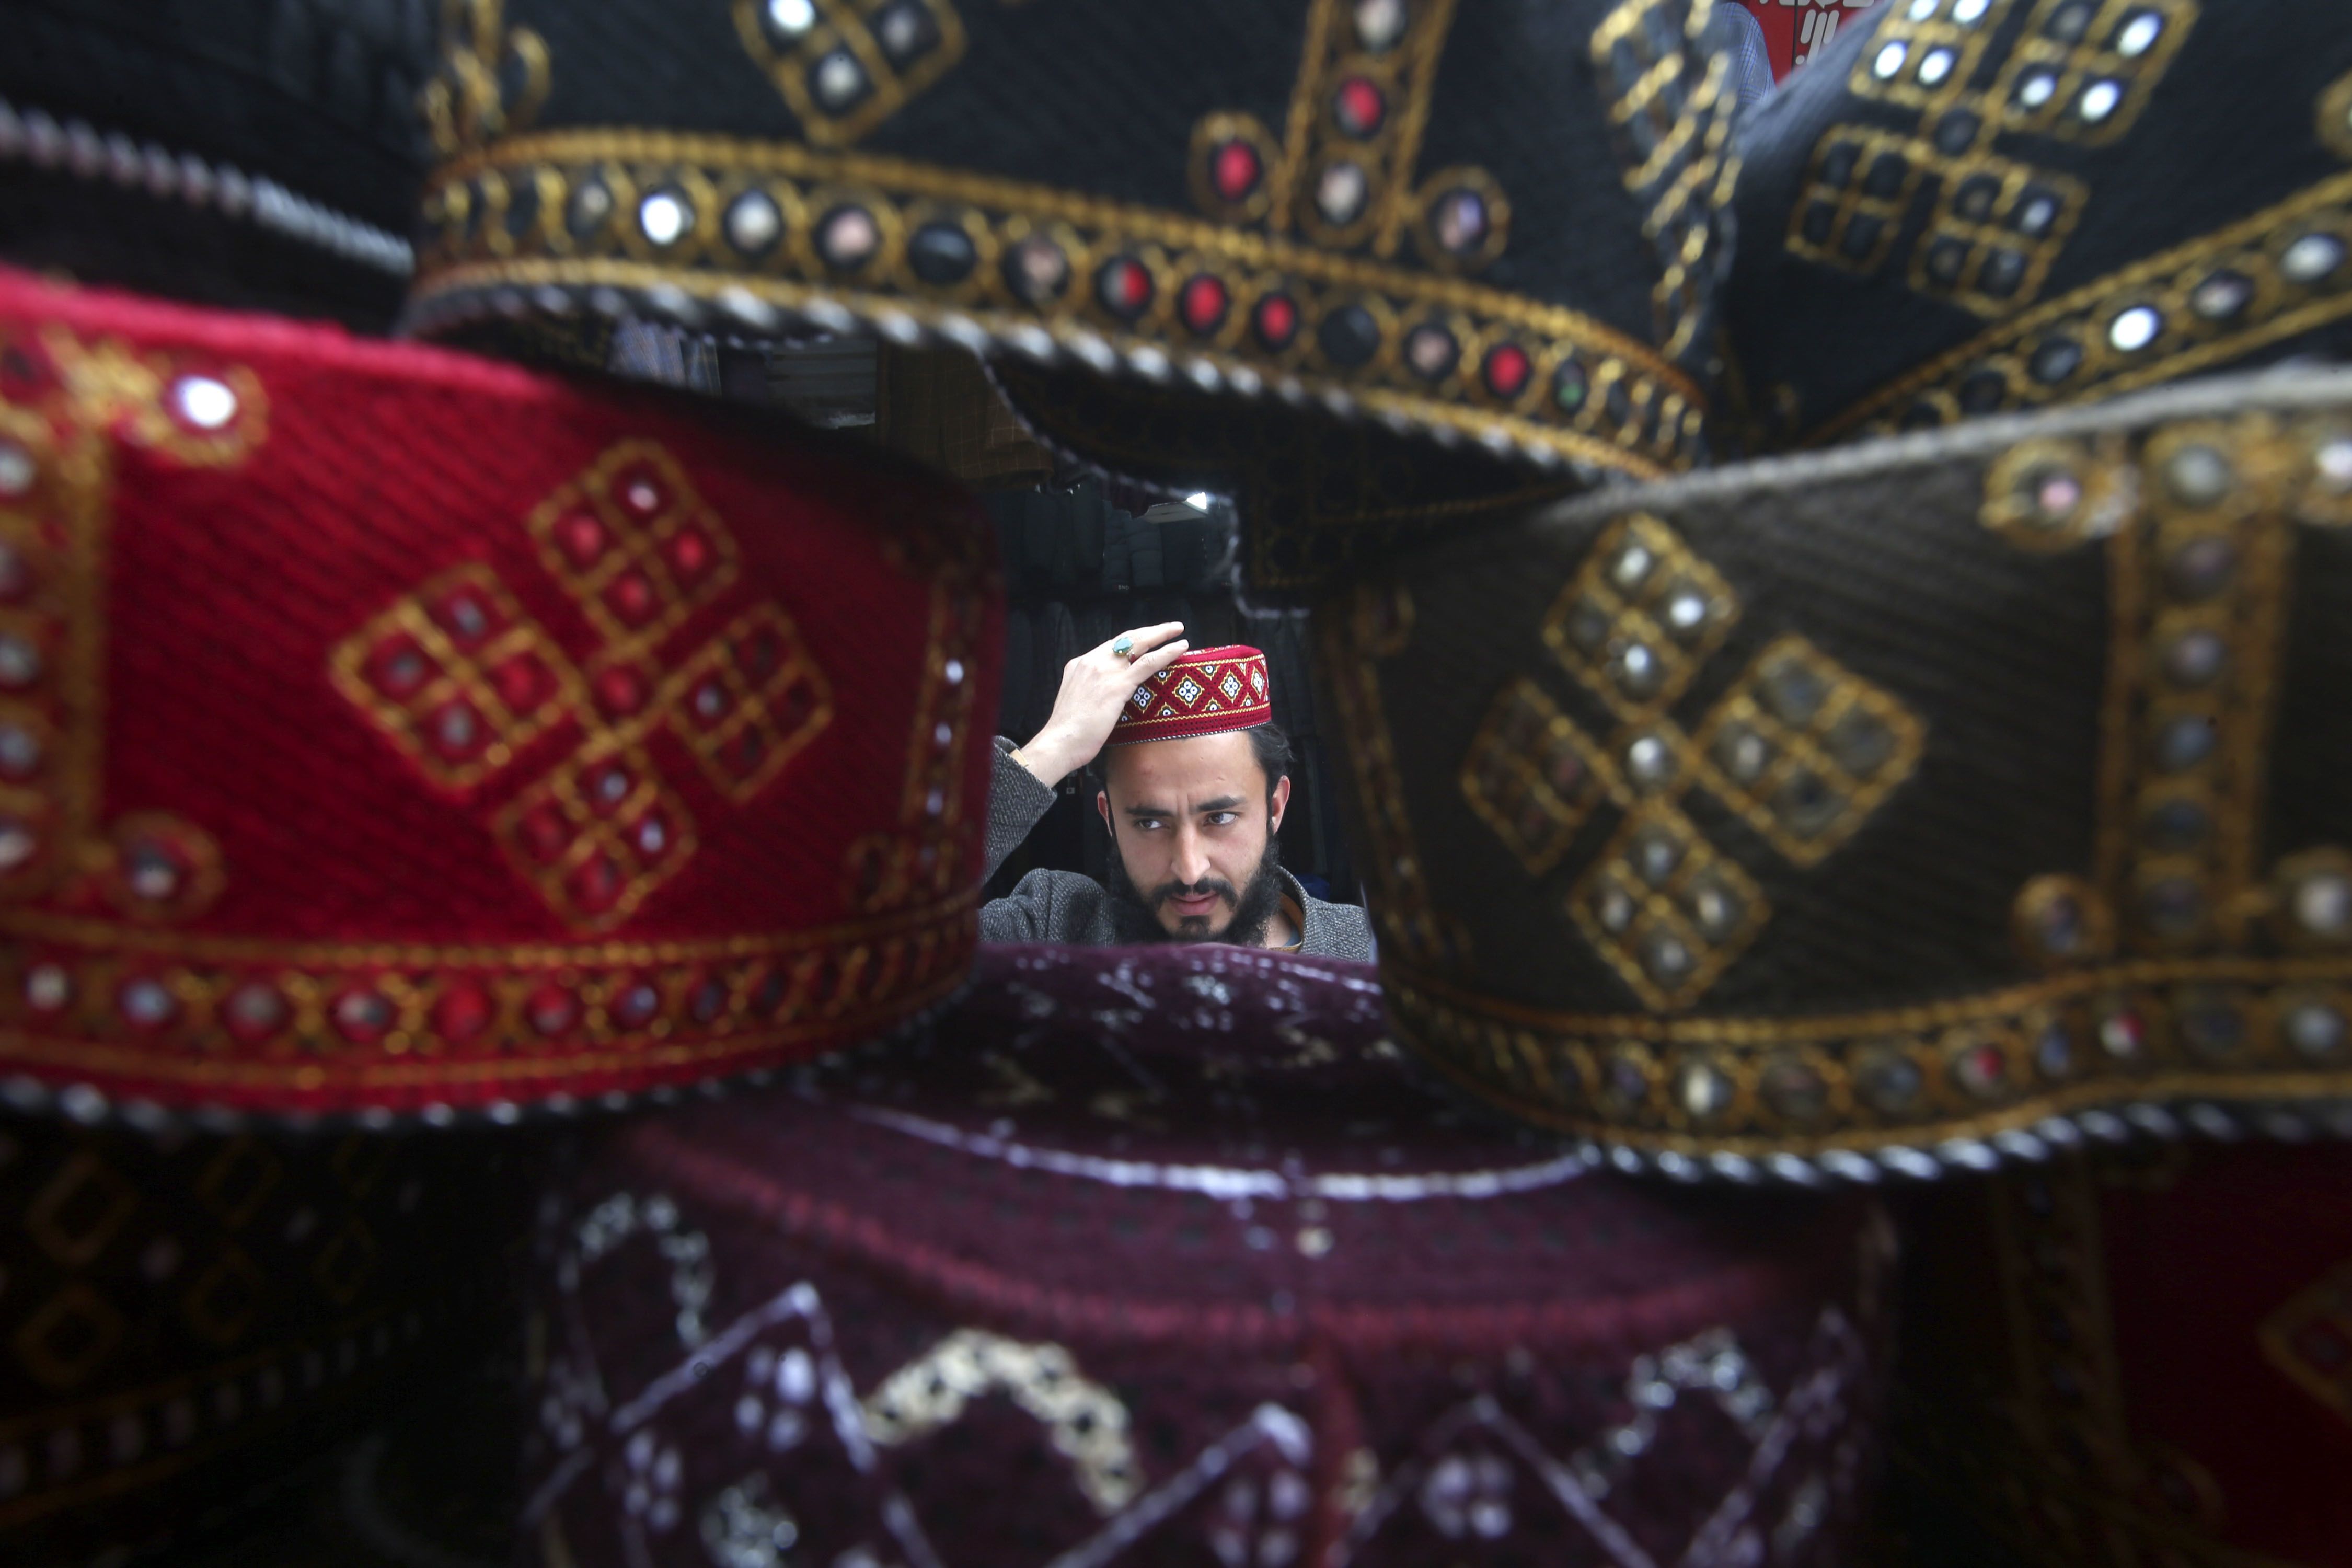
(1531, 774)
(463, 681)
(853, 65)
(2141, 1029)
(232, 1011)
(2050, 495)
(1085, 1421)
(2209, 300)
(1376, 623)
(2335, 116)
(2309, 1336)
(1677, 136)
(1998, 225)
(1062, 273)
(1802, 749)
(61, 447)
(491, 79)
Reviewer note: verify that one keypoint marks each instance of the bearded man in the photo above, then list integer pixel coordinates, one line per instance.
(1194, 780)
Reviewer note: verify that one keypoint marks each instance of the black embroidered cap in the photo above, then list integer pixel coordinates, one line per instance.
(250, 153)
(1495, 225)
(1976, 205)
(1898, 809)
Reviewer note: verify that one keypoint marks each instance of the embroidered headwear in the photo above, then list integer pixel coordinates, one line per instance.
(1206, 693)
(1205, 1295)
(386, 729)
(1499, 226)
(1931, 804)
(1963, 207)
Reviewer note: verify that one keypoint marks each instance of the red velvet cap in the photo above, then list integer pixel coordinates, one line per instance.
(1165, 1255)
(1206, 693)
(383, 729)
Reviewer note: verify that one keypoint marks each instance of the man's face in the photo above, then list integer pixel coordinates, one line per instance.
(1192, 819)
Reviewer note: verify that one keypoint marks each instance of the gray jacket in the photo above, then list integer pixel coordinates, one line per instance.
(1065, 907)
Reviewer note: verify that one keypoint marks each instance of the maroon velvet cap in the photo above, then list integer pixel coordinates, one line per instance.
(1168, 1256)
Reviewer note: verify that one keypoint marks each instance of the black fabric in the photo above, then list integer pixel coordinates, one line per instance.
(317, 95)
(1540, 182)
(2229, 129)
(320, 94)
(2037, 738)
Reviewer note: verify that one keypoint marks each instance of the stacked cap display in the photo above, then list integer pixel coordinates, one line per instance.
(375, 724)
(1935, 802)
(1494, 226)
(1170, 1260)
(1967, 206)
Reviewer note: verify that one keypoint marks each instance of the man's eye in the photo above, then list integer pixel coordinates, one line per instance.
(1148, 824)
(1223, 818)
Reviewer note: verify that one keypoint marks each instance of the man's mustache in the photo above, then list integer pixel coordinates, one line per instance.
(1167, 891)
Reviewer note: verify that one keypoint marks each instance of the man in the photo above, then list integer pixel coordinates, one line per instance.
(1195, 778)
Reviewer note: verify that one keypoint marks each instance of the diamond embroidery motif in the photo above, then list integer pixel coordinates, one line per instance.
(1188, 691)
(1231, 686)
(1995, 225)
(1800, 748)
(464, 683)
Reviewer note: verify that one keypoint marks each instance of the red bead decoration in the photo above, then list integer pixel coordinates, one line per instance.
(1275, 321)
(464, 1011)
(582, 539)
(691, 555)
(1507, 370)
(523, 683)
(1360, 106)
(1203, 302)
(551, 1009)
(1235, 170)
(632, 598)
(1123, 286)
(620, 690)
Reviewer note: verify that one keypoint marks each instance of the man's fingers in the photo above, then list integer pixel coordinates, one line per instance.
(1146, 665)
(1144, 637)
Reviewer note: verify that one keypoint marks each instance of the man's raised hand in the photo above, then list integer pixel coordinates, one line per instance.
(1096, 687)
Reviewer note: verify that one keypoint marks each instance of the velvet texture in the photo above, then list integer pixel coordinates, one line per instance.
(1203, 693)
(2138, 1356)
(388, 730)
(1161, 1257)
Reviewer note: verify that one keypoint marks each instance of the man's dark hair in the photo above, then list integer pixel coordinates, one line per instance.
(1268, 744)
(1272, 749)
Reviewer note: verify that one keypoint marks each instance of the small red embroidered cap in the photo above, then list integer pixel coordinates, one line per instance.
(385, 729)
(1203, 693)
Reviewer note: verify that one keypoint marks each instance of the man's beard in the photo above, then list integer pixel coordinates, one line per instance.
(1254, 908)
